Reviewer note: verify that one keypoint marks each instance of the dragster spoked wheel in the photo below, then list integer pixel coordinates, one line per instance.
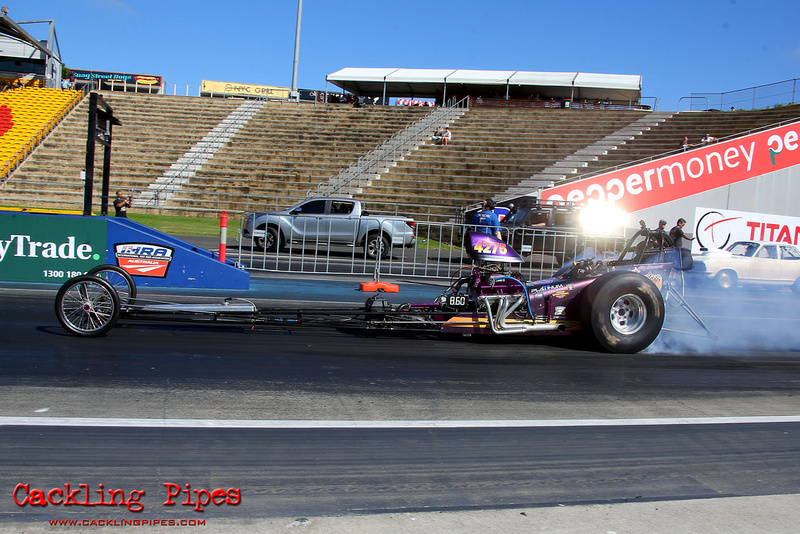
(120, 280)
(87, 306)
(624, 311)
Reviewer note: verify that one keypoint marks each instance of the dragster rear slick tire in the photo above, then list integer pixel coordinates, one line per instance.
(87, 306)
(622, 312)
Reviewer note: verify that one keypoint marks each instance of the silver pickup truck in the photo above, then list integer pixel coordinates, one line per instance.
(327, 221)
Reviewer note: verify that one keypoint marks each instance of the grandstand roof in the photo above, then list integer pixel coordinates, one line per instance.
(13, 29)
(434, 83)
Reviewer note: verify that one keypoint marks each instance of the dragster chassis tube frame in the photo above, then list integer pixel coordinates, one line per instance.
(90, 305)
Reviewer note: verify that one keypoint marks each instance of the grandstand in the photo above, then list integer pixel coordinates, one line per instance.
(27, 116)
(493, 149)
(286, 149)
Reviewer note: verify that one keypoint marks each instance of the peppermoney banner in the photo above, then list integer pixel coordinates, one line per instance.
(695, 171)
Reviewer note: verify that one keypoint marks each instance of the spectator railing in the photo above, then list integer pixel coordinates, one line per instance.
(351, 180)
(757, 97)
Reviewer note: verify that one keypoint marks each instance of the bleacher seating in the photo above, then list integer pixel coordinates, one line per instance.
(492, 149)
(287, 149)
(27, 115)
(284, 151)
(154, 133)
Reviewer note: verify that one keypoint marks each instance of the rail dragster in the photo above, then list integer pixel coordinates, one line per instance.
(616, 304)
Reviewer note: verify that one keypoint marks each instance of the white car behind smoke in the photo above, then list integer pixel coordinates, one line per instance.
(750, 262)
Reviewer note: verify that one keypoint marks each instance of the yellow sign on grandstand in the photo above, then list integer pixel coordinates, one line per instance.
(211, 88)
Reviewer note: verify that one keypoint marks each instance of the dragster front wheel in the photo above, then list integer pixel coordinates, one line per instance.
(87, 306)
(120, 280)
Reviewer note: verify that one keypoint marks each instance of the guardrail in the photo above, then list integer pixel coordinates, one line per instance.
(351, 180)
(437, 253)
(758, 97)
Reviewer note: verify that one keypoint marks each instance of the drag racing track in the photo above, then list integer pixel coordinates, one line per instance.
(311, 422)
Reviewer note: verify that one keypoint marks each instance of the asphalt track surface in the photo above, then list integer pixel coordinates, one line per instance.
(313, 422)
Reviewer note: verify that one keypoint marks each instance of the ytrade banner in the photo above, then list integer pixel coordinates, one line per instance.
(54, 248)
(716, 229)
(49, 248)
(688, 173)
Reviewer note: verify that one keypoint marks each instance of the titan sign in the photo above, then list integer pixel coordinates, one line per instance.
(41, 248)
(688, 173)
(719, 228)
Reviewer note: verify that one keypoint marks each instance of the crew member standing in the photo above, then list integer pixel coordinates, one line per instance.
(685, 261)
(677, 234)
(486, 220)
(122, 203)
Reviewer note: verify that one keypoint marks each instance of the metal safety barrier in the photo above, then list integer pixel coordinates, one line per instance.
(327, 245)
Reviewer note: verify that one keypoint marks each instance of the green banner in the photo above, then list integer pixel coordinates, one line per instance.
(49, 248)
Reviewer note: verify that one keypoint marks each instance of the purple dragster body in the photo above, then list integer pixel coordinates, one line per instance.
(617, 304)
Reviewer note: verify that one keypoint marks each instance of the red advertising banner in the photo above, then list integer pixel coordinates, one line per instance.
(688, 173)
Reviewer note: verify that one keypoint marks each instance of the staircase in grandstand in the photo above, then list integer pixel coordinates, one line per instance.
(180, 173)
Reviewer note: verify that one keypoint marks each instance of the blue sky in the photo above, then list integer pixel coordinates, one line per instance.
(678, 46)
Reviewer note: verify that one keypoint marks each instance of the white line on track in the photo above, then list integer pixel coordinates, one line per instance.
(278, 424)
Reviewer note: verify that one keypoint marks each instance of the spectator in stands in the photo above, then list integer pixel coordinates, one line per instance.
(708, 139)
(64, 84)
(437, 136)
(72, 80)
(122, 203)
(686, 145)
(486, 220)
(446, 136)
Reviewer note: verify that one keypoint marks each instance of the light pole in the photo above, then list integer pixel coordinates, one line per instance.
(295, 95)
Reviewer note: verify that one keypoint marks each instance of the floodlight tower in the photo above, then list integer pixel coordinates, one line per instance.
(295, 95)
